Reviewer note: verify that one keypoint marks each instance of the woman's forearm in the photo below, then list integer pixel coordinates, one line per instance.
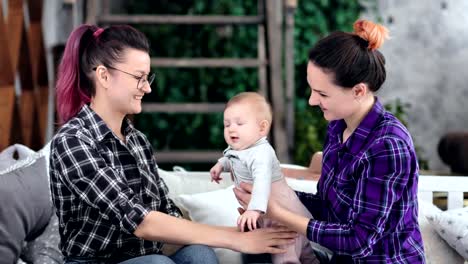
(295, 222)
(157, 226)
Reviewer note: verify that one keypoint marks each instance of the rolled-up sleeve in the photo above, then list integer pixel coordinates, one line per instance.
(384, 171)
(93, 182)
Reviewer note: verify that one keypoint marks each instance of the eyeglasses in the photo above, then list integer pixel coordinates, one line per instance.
(142, 80)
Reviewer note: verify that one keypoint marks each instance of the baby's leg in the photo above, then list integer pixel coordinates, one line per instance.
(301, 251)
(298, 252)
(293, 251)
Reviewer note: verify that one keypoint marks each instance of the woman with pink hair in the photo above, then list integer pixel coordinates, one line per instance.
(111, 203)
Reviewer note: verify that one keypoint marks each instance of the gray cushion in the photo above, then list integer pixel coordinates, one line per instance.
(45, 248)
(25, 204)
(16, 156)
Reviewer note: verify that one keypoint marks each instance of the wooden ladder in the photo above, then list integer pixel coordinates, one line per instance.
(268, 62)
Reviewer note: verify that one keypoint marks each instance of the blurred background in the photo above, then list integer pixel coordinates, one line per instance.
(204, 52)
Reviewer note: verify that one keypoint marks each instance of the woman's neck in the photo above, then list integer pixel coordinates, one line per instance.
(112, 119)
(353, 121)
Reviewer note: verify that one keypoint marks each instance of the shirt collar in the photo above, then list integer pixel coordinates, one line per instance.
(361, 134)
(97, 126)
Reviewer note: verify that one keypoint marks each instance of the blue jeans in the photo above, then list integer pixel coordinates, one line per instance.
(187, 255)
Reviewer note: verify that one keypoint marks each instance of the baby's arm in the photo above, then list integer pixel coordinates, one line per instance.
(220, 166)
(261, 170)
(248, 220)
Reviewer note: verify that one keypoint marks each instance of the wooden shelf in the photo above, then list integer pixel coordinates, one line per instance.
(206, 62)
(183, 107)
(180, 19)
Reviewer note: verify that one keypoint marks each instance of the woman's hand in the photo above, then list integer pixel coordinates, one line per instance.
(243, 194)
(265, 240)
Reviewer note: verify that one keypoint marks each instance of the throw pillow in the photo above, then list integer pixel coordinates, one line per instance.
(26, 207)
(435, 248)
(182, 182)
(452, 225)
(214, 208)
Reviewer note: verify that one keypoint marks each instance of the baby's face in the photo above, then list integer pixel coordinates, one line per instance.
(241, 126)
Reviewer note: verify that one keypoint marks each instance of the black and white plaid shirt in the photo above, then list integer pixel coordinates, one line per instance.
(103, 188)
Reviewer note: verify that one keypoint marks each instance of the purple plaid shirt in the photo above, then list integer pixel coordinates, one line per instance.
(366, 206)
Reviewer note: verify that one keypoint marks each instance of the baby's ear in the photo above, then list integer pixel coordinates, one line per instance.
(264, 127)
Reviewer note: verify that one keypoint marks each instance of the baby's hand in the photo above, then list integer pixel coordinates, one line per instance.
(249, 218)
(215, 172)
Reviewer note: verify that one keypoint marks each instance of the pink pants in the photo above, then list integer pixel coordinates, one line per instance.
(301, 251)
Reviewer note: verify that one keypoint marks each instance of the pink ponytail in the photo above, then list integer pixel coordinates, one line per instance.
(71, 96)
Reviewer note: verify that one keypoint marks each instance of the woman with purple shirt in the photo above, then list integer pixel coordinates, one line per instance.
(366, 208)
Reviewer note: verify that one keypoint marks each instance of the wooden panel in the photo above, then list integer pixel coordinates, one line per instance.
(35, 11)
(289, 70)
(41, 89)
(7, 76)
(179, 19)
(91, 12)
(25, 65)
(7, 100)
(42, 96)
(42, 108)
(105, 7)
(187, 156)
(14, 30)
(22, 53)
(27, 116)
(183, 107)
(261, 50)
(34, 43)
(205, 62)
(275, 51)
(7, 79)
(26, 99)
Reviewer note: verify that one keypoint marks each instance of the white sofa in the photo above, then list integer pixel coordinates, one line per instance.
(212, 203)
(205, 202)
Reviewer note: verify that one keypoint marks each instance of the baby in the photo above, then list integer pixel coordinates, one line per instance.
(250, 158)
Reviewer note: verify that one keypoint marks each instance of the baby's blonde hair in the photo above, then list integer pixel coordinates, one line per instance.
(262, 107)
